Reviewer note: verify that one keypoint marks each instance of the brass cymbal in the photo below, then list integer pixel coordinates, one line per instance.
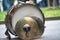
(35, 32)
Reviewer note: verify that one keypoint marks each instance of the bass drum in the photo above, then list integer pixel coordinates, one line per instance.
(18, 12)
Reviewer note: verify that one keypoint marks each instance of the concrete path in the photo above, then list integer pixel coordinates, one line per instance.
(52, 31)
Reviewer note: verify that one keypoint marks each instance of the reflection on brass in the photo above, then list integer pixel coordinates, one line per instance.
(33, 33)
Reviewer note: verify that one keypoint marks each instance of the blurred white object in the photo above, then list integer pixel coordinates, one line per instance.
(18, 2)
(31, 2)
(1, 6)
(39, 1)
(26, 25)
(15, 2)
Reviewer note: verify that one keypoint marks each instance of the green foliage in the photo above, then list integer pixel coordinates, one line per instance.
(2, 15)
(50, 12)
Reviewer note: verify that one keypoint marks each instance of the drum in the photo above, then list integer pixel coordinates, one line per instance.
(26, 21)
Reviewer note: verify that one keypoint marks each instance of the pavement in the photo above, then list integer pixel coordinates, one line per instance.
(52, 31)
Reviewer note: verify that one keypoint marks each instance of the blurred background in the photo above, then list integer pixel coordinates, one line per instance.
(50, 8)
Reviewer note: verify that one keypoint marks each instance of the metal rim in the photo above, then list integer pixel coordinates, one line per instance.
(13, 9)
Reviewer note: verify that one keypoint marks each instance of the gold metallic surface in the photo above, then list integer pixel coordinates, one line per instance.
(35, 32)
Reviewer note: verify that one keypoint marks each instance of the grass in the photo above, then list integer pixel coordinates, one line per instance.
(2, 15)
(47, 13)
(51, 13)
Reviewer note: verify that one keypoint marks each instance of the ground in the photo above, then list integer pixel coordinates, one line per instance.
(52, 31)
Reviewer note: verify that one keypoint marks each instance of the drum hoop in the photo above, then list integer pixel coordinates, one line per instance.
(13, 9)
